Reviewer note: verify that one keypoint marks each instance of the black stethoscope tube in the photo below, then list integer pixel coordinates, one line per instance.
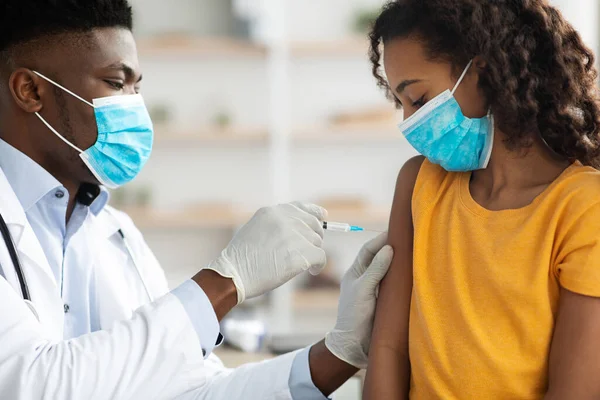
(12, 251)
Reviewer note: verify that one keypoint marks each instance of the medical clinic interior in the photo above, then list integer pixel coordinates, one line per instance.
(257, 103)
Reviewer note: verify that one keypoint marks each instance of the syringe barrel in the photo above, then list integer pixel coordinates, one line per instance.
(336, 226)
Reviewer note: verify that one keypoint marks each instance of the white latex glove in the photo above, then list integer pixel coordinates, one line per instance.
(277, 244)
(350, 339)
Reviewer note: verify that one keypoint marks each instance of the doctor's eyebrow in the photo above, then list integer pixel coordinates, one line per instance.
(126, 69)
(406, 83)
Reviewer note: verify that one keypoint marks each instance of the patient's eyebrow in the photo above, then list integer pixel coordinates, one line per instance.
(406, 83)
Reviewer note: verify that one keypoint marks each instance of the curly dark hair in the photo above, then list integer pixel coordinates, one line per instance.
(539, 79)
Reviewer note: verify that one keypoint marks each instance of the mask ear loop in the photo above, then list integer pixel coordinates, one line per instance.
(61, 137)
(64, 88)
(462, 76)
(58, 134)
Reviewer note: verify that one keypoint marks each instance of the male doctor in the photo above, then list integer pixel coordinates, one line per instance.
(85, 312)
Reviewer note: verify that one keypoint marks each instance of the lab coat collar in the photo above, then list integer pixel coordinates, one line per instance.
(100, 202)
(30, 182)
(10, 207)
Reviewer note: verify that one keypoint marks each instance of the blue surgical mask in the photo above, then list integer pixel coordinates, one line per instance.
(440, 131)
(125, 137)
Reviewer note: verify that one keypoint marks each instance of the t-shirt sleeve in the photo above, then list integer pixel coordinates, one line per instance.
(578, 261)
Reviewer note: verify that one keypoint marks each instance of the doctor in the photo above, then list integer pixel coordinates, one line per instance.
(85, 312)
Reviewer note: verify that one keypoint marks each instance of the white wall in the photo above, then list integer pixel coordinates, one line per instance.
(584, 15)
(201, 17)
(323, 20)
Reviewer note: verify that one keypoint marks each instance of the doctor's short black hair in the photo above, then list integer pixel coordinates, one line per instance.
(540, 77)
(23, 21)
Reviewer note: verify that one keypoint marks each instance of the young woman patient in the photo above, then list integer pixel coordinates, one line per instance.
(494, 292)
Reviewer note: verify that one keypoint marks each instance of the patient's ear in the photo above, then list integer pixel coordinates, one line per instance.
(479, 63)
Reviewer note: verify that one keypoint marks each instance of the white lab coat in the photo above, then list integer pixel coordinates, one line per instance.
(144, 351)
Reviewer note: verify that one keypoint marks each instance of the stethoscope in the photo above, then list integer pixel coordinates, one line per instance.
(12, 251)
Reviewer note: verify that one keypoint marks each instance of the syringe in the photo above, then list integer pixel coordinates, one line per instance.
(341, 227)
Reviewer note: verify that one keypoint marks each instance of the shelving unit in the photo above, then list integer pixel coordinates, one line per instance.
(182, 45)
(261, 154)
(235, 136)
(231, 136)
(187, 46)
(351, 47)
(347, 134)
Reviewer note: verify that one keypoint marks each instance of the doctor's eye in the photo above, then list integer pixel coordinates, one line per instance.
(115, 85)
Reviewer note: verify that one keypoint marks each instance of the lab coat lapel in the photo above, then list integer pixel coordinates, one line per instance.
(40, 279)
(113, 295)
(23, 236)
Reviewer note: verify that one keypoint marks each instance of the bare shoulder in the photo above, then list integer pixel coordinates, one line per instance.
(401, 216)
(407, 178)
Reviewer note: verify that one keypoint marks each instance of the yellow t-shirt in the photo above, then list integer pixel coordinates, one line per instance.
(487, 283)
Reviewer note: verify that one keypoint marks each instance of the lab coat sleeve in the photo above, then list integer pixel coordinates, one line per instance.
(154, 355)
(283, 378)
(302, 386)
(201, 313)
(267, 380)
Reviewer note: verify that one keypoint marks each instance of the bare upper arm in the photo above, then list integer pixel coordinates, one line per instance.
(393, 304)
(388, 375)
(575, 351)
(401, 216)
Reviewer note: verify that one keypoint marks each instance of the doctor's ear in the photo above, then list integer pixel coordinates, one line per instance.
(26, 89)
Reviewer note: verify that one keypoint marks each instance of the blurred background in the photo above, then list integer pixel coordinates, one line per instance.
(258, 102)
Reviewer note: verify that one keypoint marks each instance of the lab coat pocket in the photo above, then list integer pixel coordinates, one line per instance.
(116, 297)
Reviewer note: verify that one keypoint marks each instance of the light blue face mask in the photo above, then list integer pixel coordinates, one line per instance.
(125, 137)
(440, 131)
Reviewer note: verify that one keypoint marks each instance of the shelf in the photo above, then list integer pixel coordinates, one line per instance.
(316, 300)
(236, 136)
(351, 47)
(222, 218)
(182, 45)
(177, 45)
(338, 134)
(170, 135)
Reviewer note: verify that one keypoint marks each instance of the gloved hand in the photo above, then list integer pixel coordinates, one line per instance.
(277, 244)
(350, 339)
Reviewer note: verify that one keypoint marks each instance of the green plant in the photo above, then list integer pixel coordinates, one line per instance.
(364, 19)
(223, 120)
